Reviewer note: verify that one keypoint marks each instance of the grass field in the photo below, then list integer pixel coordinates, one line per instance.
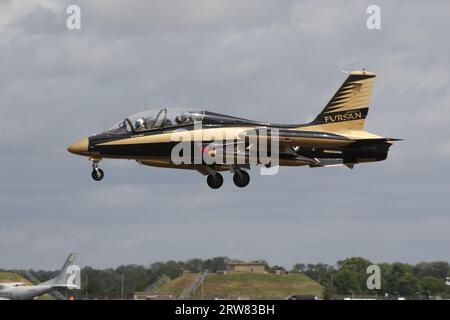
(12, 277)
(250, 285)
(176, 286)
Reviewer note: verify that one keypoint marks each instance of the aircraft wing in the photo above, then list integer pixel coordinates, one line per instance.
(298, 138)
(286, 139)
(11, 284)
(239, 149)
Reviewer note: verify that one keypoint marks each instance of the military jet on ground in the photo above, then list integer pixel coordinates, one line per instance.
(68, 277)
(335, 137)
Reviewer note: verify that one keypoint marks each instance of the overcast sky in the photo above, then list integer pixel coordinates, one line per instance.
(266, 60)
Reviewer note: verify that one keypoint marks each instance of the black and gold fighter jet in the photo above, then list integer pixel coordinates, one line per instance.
(335, 137)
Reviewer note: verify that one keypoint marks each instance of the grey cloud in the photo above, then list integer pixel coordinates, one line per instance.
(263, 60)
(137, 17)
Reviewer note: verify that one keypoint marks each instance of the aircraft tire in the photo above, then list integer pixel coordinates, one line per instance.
(243, 181)
(215, 182)
(97, 174)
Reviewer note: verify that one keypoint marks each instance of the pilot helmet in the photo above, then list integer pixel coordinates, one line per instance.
(139, 123)
(182, 118)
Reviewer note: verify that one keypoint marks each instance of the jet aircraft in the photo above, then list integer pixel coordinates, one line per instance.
(335, 137)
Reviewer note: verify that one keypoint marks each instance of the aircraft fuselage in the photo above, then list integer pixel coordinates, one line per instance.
(334, 137)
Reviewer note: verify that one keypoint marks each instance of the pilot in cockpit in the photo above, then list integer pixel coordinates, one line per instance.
(139, 125)
(182, 118)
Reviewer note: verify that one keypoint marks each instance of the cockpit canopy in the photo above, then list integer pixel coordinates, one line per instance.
(157, 119)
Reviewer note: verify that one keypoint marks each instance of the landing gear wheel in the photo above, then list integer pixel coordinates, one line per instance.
(97, 174)
(241, 179)
(215, 181)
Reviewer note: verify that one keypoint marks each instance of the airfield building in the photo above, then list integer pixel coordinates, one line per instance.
(246, 267)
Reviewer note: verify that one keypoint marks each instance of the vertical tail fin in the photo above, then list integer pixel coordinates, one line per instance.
(348, 108)
(69, 276)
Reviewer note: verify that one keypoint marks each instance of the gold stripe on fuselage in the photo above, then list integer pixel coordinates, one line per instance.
(221, 134)
(193, 135)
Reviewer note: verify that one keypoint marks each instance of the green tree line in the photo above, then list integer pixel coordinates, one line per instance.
(346, 278)
(349, 278)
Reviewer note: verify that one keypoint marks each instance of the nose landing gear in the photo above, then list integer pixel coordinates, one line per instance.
(97, 173)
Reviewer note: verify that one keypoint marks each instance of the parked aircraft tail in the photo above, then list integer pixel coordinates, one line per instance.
(348, 108)
(69, 276)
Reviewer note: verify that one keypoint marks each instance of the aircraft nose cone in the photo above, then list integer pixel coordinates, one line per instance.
(79, 146)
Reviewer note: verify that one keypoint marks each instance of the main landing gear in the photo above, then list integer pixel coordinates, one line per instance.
(240, 178)
(97, 173)
(215, 180)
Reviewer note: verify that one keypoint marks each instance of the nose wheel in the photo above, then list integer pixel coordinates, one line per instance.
(97, 173)
(215, 181)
